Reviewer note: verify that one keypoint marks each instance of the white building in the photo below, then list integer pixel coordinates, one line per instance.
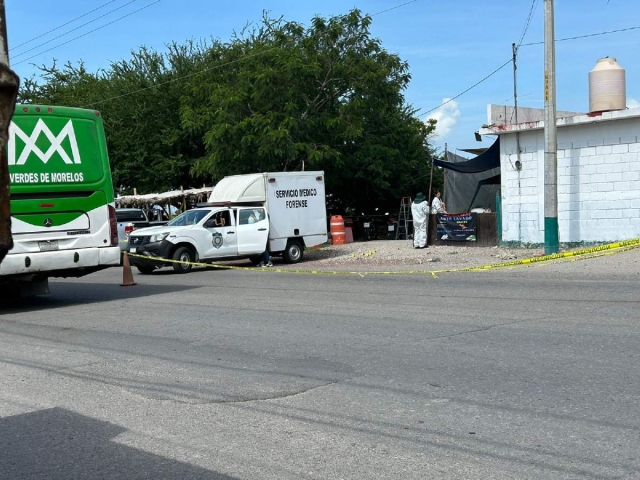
(598, 177)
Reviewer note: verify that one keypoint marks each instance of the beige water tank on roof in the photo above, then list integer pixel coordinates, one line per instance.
(607, 86)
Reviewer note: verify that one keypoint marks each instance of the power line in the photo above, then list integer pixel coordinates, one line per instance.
(393, 8)
(585, 36)
(468, 89)
(527, 24)
(73, 30)
(214, 67)
(63, 25)
(251, 56)
(155, 85)
(510, 60)
(89, 32)
(275, 48)
(532, 11)
(519, 96)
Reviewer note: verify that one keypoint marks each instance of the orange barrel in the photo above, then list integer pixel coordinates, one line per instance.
(337, 230)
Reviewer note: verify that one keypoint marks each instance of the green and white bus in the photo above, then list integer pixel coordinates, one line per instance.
(62, 205)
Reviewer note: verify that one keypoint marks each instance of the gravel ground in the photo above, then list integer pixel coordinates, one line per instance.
(390, 255)
(400, 254)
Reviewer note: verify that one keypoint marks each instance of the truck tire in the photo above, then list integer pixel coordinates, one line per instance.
(255, 259)
(146, 270)
(183, 254)
(294, 252)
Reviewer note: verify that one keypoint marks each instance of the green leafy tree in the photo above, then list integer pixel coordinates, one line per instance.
(139, 100)
(284, 97)
(278, 96)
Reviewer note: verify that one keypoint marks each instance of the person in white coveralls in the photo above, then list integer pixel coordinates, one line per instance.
(420, 214)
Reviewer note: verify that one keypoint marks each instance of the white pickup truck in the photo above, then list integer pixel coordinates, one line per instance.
(246, 214)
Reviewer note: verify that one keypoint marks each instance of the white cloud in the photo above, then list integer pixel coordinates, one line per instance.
(632, 103)
(447, 117)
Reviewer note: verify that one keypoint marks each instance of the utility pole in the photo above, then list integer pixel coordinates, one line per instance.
(9, 83)
(518, 151)
(431, 177)
(551, 241)
(515, 103)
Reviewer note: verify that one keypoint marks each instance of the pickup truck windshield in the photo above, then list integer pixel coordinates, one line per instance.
(192, 217)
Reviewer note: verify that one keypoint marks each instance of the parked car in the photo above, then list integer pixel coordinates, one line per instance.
(129, 219)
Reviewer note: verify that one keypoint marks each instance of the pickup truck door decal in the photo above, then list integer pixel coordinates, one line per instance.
(217, 240)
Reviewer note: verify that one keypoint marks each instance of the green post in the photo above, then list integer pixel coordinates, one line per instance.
(551, 242)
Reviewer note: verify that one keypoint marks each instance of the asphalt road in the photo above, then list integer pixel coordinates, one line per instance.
(507, 374)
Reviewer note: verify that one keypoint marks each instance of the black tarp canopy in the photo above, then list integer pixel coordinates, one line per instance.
(471, 183)
(483, 162)
(489, 198)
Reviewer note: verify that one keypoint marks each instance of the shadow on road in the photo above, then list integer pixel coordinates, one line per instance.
(57, 444)
(66, 294)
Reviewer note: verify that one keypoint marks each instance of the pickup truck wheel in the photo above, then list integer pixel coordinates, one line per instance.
(145, 270)
(255, 259)
(294, 252)
(183, 254)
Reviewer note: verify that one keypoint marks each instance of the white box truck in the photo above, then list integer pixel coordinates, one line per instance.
(246, 214)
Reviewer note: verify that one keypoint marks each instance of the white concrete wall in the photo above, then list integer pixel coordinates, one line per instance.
(598, 183)
(505, 114)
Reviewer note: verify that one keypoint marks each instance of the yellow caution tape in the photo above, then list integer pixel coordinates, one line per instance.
(277, 270)
(585, 252)
(556, 256)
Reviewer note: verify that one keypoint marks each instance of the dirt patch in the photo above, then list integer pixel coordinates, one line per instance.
(399, 255)
(396, 253)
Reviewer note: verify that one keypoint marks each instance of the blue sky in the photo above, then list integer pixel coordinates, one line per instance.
(449, 45)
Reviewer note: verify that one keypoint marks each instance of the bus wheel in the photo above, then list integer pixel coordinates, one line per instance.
(145, 270)
(294, 252)
(185, 256)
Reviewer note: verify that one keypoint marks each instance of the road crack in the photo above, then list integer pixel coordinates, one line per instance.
(484, 329)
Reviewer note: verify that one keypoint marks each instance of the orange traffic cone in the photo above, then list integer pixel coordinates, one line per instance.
(127, 275)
